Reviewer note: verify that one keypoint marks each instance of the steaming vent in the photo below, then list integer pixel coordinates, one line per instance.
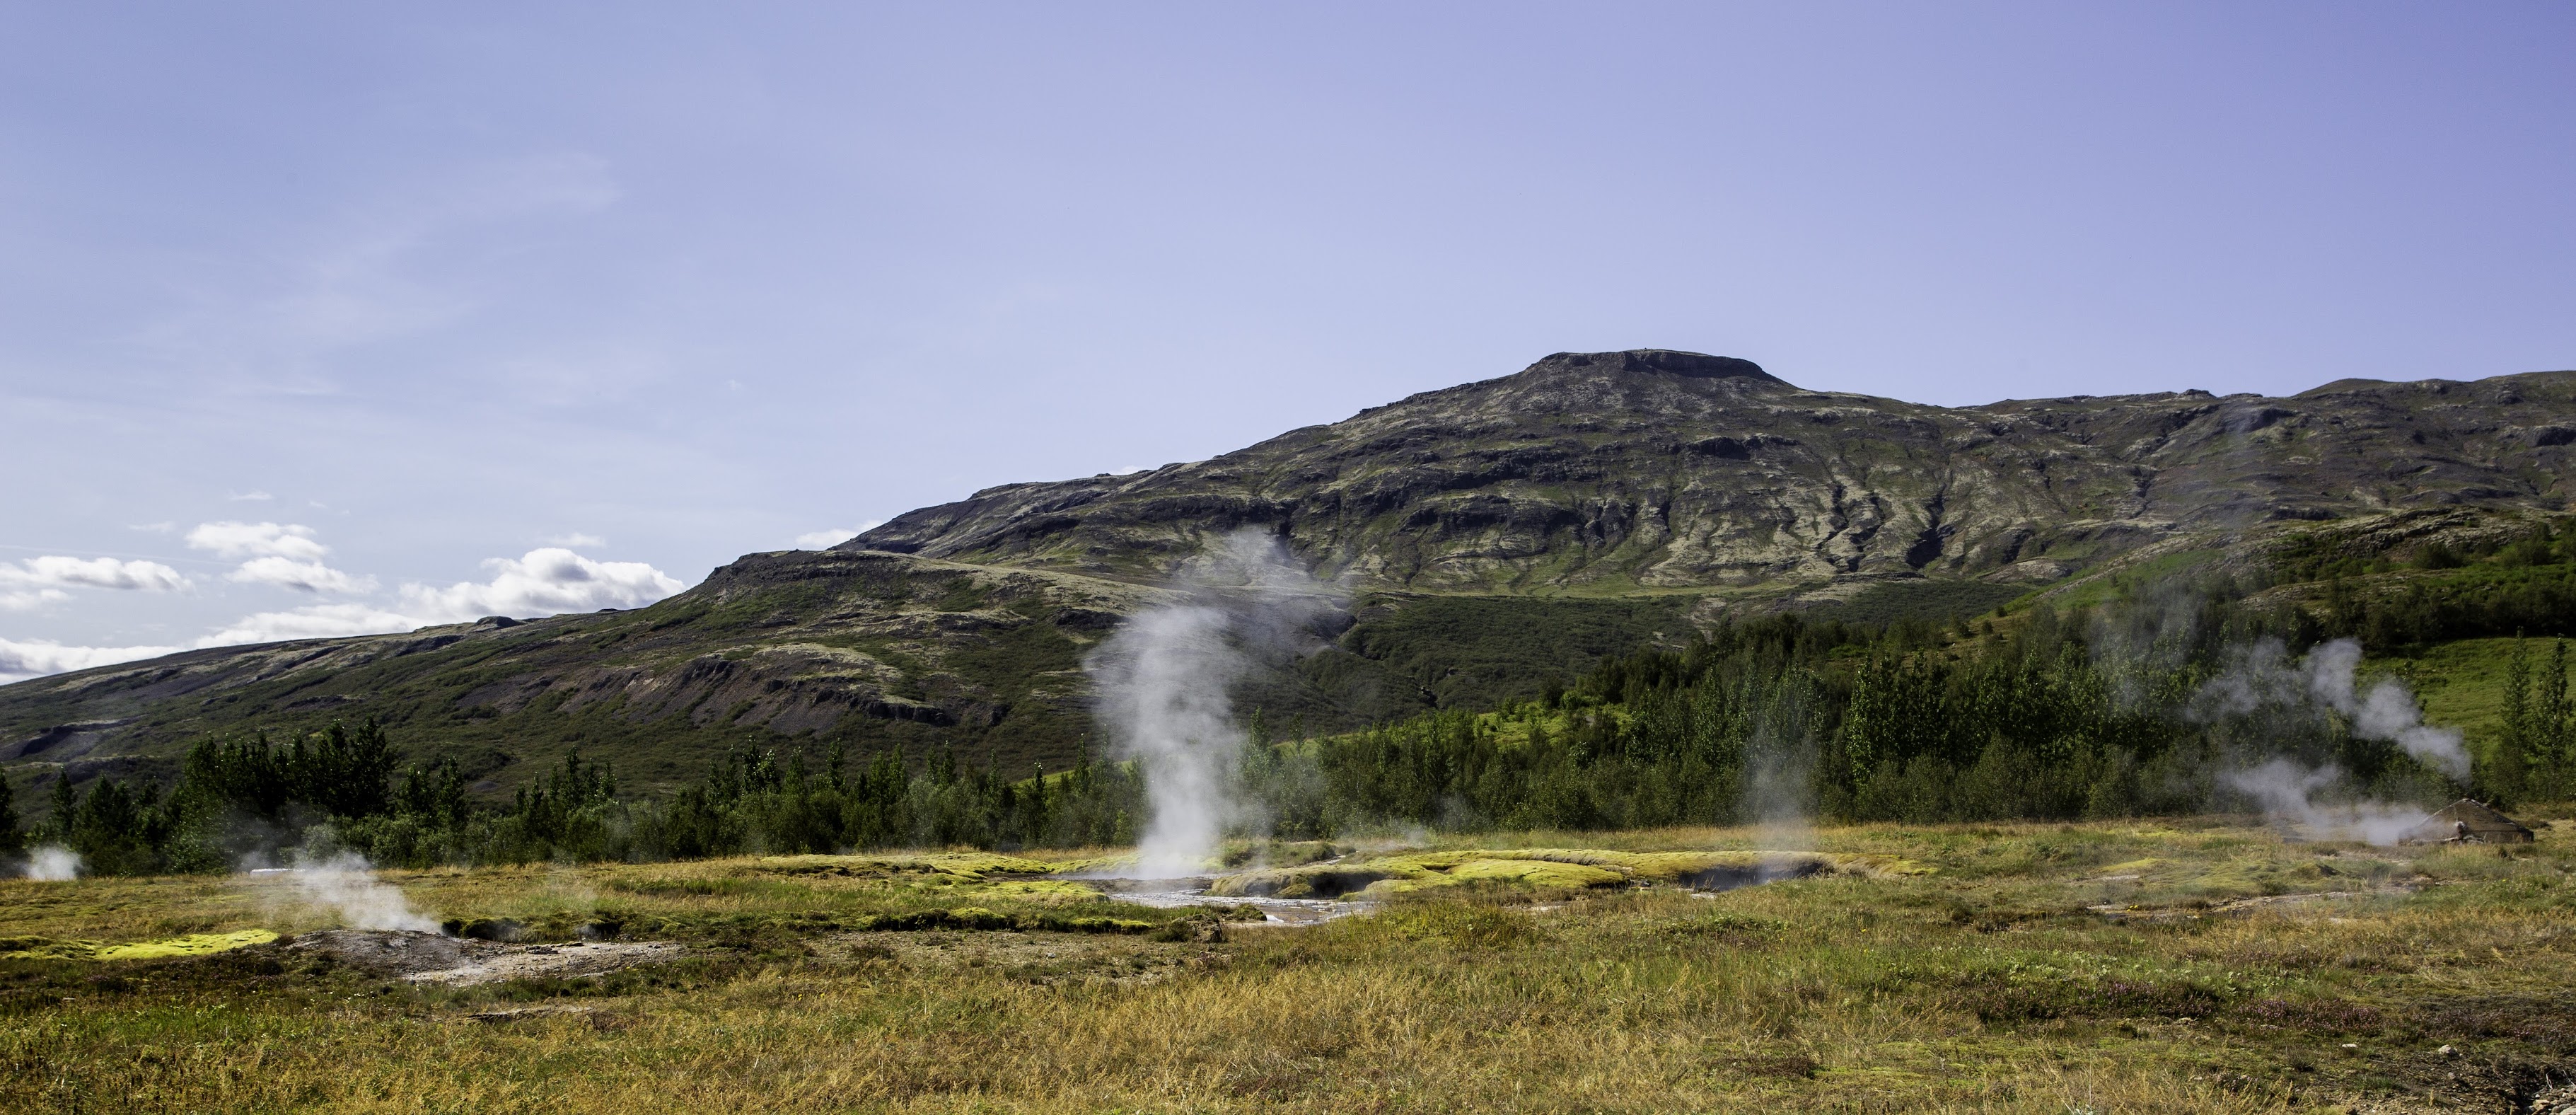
(1165, 679)
(2468, 821)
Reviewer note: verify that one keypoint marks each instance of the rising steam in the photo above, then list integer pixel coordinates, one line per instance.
(2387, 712)
(2265, 681)
(1779, 769)
(346, 886)
(1164, 682)
(53, 863)
(2294, 793)
(2287, 701)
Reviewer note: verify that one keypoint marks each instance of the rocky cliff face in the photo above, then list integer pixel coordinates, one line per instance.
(1605, 472)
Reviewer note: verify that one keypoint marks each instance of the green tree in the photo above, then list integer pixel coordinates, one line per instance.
(2552, 732)
(13, 837)
(2507, 773)
(66, 808)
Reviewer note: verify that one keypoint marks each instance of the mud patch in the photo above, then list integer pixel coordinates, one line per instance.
(429, 958)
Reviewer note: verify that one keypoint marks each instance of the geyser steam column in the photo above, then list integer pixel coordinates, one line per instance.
(1164, 680)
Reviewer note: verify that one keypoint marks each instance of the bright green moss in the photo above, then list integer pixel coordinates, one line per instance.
(195, 944)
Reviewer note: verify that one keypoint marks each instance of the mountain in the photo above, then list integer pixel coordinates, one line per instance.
(1496, 534)
(1651, 470)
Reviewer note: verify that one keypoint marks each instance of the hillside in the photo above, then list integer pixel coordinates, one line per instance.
(1497, 535)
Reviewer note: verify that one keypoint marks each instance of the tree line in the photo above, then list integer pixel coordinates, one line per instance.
(250, 801)
(2102, 712)
(2500, 586)
(1775, 720)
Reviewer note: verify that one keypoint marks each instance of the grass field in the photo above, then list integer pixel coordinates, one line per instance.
(2143, 966)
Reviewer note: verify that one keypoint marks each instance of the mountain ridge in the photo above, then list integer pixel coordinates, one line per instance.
(1496, 534)
(1841, 492)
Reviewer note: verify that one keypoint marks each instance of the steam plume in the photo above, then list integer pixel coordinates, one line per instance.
(2286, 703)
(54, 863)
(2324, 679)
(1164, 682)
(347, 885)
(1779, 764)
(2387, 712)
(2289, 791)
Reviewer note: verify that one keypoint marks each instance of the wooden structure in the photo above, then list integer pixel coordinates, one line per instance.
(2467, 822)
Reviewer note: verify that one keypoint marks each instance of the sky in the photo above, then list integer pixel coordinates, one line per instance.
(321, 319)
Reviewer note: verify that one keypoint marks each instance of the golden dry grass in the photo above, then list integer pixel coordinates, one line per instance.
(1988, 985)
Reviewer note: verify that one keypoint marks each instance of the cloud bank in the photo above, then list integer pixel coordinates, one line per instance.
(19, 600)
(319, 621)
(542, 582)
(39, 581)
(231, 540)
(71, 572)
(285, 555)
(829, 537)
(38, 656)
(302, 576)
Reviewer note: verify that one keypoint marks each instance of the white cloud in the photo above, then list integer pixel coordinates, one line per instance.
(302, 576)
(51, 572)
(252, 496)
(23, 601)
(237, 540)
(155, 528)
(834, 536)
(576, 538)
(319, 621)
(285, 555)
(41, 657)
(542, 583)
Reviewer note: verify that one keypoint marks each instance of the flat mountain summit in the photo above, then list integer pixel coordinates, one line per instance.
(1497, 534)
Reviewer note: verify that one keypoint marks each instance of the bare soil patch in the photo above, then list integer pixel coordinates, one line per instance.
(430, 958)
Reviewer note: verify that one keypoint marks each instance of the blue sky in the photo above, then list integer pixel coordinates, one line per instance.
(338, 317)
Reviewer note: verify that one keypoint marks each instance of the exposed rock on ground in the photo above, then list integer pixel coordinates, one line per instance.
(457, 962)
